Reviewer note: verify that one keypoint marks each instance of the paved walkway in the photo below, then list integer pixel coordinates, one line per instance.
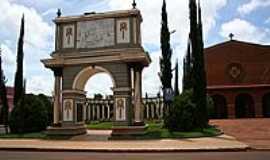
(220, 143)
(255, 132)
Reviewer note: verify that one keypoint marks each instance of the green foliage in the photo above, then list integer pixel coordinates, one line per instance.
(183, 114)
(165, 60)
(176, 81)
(18, 82)
(194, 68)
(29, 115)
(187, 69)
(49, 106)
(98, 96)
(3, 97)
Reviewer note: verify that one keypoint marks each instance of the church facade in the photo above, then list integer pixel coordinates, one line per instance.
(238, 79)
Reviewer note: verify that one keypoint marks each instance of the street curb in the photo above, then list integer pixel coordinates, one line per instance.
(126, 150)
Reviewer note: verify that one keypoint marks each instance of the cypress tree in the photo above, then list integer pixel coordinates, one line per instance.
(184, 79)
(176, 83)
(188, 78)
(3, 93)
(18, 83)
(200, 88)
(165, 60)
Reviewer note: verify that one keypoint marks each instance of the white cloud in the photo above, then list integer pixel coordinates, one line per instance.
(39, 84)
(39, 34)
(178, 13)
(38, 43)
(8, 58)
(244, 30)
(267, 21)
(252, 5)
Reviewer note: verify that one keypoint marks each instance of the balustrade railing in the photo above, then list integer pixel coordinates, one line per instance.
(102, 110)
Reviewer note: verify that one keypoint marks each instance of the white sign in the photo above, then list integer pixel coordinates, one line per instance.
(120, 109)
(68, 36)
(94, 34)
(123, 31)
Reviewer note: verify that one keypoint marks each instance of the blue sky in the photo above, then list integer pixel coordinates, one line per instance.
(249, 20)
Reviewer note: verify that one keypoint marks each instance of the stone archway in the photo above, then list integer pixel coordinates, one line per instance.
(97, 111)
(266, 105)
(85, 74)
(90, 44)
(244, 106)
(220, 107)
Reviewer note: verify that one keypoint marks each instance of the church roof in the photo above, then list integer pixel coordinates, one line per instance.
(237, 42)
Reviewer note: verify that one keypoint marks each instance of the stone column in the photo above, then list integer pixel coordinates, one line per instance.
(152, 111)
(161, 108)
(231, 111)
(108, 111)
(57, 96)
(147, 111)
(258, 110)
(103, 111)
(138, 95)
(98, 112)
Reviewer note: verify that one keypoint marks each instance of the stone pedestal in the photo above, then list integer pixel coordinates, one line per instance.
(72, 114)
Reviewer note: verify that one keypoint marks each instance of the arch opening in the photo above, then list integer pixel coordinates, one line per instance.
(244, 106)
(83, 76)
(220, 107)
(266, 105)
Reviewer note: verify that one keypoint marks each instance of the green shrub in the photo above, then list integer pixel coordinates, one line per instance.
(49, 106)
(182, 113)
(30, 115)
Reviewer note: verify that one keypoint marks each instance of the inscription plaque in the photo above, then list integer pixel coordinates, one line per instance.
(94, 34)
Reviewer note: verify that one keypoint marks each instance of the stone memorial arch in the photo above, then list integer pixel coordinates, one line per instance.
(89, 44)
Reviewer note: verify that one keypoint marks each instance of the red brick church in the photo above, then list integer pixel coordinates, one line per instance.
(238, 75)
(10, 97)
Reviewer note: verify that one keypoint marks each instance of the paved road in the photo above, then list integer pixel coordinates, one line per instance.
(6, 155)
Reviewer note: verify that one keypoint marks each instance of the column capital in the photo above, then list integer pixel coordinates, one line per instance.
(57, 71)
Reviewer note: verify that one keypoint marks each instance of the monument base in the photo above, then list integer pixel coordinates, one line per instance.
(127, 132)
(3, 129)
(71, 130)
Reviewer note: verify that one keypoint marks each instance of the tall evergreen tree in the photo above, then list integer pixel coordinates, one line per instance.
(188, 78)
(184, 79)
(198, 71)
(176, 82)
(200, 92)
(18, 83)
(165, 60)
(3, 93)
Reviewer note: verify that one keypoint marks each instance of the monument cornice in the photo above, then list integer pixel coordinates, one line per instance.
(73, 59)
(96, 16)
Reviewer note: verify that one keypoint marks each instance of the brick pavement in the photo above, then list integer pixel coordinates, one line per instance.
(255, 132)
(220, 143)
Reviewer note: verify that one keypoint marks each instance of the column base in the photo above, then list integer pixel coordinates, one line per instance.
(127, 132)
(71, 130)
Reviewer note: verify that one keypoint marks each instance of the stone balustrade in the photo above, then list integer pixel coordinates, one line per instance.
(102, 110)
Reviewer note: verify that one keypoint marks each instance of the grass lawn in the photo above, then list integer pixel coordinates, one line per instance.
(39, 135)
(156, 131)
(100, 125)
